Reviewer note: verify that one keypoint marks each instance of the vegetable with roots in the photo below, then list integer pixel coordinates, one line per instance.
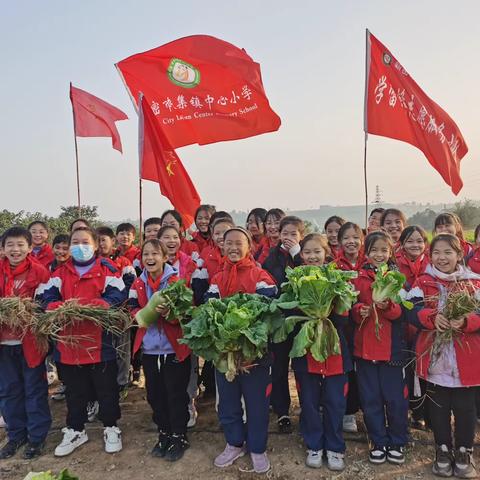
(317, 292)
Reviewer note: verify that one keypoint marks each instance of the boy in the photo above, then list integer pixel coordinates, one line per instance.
(125, 234)
(23, 379)
(151, 226)
(61, 250)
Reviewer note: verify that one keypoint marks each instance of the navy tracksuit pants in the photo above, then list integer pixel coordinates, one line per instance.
(255, 387)
(280, 398)
(384, 399)
(322, 430)
(23, 396)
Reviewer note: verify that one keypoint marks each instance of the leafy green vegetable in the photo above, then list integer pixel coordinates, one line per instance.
(177, 298)
(231, 332)
(63, 475)
(317, 292)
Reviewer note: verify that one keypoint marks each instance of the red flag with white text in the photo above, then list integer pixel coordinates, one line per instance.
(396, 107)
(159, 163)
(94, 117)
(201, 90)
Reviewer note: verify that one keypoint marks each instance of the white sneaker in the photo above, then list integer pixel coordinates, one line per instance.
(92, 411)
(192, 411)
(314, 458)
(335, 461)
(71, 440)
(112, 436)
(350, 424)
(2, 422)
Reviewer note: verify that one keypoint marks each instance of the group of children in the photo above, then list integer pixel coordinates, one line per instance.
(375, 370)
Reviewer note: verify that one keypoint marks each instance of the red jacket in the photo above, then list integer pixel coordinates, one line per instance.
(412, 269)
(391, 345)
(45, 256)
(185, 266)
(473, 260)
(201, 242)
(32, 275)
(467, 247)
(132, 253)
(137, 300)
(101, 286)
(424, 294)
(264, 249)
(343, 263)
(213, 260)
(188, 247)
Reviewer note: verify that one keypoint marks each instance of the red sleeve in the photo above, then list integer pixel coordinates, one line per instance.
(356, 312)
(392, 312)
(472, 323)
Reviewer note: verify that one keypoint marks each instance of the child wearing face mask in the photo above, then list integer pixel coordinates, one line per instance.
(89, 365)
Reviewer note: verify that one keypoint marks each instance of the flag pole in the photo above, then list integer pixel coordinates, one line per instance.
(365, 122)
(140, 160)
(79, 205)
(140, 206)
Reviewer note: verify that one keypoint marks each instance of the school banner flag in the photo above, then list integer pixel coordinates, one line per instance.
(159, 163)
(93, 117)
(201, 90)
(396, 107)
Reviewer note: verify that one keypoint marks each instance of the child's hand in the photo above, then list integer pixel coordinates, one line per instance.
(365, 311)
(162, 310)
(441, 323)
(382, 305)
(458, 324)
(289, 244)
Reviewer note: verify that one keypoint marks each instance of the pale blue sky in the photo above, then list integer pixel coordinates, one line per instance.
(312, 57)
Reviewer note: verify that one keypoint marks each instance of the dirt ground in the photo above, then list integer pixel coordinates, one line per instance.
(286, 452)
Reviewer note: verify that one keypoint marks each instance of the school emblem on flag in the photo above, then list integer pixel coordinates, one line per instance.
(183, 74)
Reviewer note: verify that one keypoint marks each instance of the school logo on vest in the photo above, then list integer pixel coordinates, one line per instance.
(183, 74)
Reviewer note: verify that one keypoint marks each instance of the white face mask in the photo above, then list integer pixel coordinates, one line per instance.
(82, 252)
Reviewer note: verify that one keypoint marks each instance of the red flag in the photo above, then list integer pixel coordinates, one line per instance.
(396, 107)
(201, 90)
(95, 117)
(159, 163)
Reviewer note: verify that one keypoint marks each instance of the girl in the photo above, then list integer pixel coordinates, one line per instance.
(324, 383)
(79, 222)
(374, 220)
(393, 222)
(453, 368)
(202, 237)
(171, 218)
(331, 228)
(89, 363)
(241, 274)
(450, 223)
(256, 227)
(350, 255)
(285, 254)
(41, 251)
(379, 348)
(166, 363)
(272, 233)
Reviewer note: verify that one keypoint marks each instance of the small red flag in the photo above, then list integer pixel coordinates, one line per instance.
(95, 117)
(396, 107)
(201, 90)
(159, 163)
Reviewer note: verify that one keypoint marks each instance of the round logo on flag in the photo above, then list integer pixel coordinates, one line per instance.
(387, 59)
(183, 74)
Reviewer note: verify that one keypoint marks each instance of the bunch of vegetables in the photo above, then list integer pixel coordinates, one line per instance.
(231, 332)
(48, 475)
(317, 292)
(387, 286)
(18, 314)
(177, 299)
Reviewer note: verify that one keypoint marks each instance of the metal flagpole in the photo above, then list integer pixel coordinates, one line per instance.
(365, 122)
(140, 160)
(79, 205)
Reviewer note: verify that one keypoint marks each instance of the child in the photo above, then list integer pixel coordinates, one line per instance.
(393, 222)
(23, 377)
(453, 369)
(324, 383)
(171, 218)
(285, 254)
(331, 229)
(374, 220)
(380, 359)
(350, 254)
(256, 227)
(87, 366)
(241, 274)
(476, 236)
(202, 237)
(272, 233)
(61, 250)
(450, 223)
(166, 363)
(151, 226)
(78, 223)
(41, 251)
(125, 235)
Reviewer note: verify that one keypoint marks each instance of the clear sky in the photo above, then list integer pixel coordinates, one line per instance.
(312, 55)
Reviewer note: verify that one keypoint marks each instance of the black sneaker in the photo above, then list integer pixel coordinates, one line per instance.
(10, 448)
(161, 446)
(377, 455)
(33, 450)
(177, 447)
(464, 464)
(396, 455)
(284, 424)
(442, 465)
